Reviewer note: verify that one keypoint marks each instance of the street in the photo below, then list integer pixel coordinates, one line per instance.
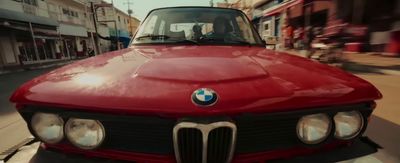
(13, 129)
(384, 127)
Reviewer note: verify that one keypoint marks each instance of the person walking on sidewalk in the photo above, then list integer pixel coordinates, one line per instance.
(288, 37)
(308, 38)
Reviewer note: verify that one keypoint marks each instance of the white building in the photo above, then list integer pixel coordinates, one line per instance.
(117, 22)
(72, 17)
(21, 22)
(62, 29)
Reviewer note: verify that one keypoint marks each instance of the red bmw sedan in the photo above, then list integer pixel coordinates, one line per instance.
(197, 85)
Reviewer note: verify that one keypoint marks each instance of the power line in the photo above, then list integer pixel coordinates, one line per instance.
(129, 3)
(130, 15)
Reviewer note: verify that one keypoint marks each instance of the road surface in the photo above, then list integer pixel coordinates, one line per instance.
(13, 129)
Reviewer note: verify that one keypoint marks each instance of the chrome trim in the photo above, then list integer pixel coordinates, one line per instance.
(330, 121)
(199, 105)
(205, 130)
(66, 131)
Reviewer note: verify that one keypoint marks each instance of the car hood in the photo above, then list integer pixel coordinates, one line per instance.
(161, 79)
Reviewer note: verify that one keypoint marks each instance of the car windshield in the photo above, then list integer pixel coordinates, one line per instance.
(198, 26)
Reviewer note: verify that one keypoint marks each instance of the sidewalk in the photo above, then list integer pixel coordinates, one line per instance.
(364, 62)
(372, 63)
(35, 66)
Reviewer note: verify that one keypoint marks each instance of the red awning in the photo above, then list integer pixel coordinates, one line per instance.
(282, 7)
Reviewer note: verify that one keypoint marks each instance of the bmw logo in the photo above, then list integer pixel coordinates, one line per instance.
(204, 97)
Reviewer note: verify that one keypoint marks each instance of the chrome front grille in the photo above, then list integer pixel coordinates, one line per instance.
(204, 143)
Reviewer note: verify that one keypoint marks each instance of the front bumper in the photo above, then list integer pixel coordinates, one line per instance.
(360, 147)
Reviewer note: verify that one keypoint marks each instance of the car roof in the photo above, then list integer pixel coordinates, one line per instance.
(204, 18)
(177, 7)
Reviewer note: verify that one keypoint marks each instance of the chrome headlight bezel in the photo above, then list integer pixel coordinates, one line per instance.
(312, 116)
(74, 142)
(33, 126)
(357, 132)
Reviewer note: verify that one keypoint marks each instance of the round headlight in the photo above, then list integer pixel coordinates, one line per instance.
(48, 127)
(313, 129)
(84, 133)
(348, 124)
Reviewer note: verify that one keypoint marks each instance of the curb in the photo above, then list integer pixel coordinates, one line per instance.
(353, 66)
(5, 155)
(37, 67)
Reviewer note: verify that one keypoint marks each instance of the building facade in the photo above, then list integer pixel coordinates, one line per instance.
(278, 20)
(133, 25)
(41, 31)
(72, 17)
(27, 34)
(117, 23)
(244, 5)
(369, 25)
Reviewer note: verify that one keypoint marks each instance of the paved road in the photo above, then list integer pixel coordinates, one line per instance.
(384, 127)
(12, 128)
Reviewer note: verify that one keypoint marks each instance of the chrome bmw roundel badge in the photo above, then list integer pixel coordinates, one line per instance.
(204, 97)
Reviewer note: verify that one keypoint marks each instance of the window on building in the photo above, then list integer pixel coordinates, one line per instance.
(119, 18)
(266, 26)
(70, 12)
(31, 2)
(65, 11)
(103, 11)
(270, 4)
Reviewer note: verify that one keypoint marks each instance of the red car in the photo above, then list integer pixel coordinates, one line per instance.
(197, 85)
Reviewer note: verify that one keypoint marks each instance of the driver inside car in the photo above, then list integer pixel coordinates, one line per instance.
(222, 30)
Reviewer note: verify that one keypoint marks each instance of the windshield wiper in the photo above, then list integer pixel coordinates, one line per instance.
(227, 41)
(241, 42)
(187, 41)
(153, 37)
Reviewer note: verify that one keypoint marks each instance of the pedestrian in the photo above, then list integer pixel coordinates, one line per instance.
(308, 39)
(289, 37)
(298, 38)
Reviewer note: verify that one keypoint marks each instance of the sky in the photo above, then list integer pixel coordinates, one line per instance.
(142, 7)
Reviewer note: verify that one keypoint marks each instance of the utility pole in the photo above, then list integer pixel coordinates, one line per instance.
(34, 42)
(212, 3)
(116, 26)
(130, 15)
(96, 44)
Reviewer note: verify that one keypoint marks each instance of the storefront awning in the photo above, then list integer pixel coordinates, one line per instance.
(18, 16)
(72, 30)
(281, 7)
(47, 37)
(37, 31)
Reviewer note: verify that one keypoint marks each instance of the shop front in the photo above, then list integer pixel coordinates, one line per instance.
(120, 39)
(26, 39)
(75, 40)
